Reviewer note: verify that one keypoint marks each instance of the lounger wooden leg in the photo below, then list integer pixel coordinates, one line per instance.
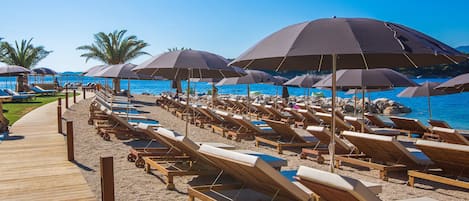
(279, 149)
(170, 183)
(337, 164)
(411, 181)
(147, 168)
(383, 174)
(257, 143)
(191, 198)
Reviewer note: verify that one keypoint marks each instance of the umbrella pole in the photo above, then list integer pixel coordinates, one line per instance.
(249, 108)
(429, 108)
(332, 144)
(355, 103)
(188, 101)
(363, 109)
(213, 95)
(128, 97)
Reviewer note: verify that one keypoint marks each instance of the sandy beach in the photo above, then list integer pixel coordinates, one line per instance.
(132, 183)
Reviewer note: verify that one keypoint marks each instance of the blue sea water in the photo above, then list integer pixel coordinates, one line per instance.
(452, 108)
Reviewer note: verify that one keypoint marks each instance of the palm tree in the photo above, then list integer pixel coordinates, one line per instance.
(114, 48)
(24, 54)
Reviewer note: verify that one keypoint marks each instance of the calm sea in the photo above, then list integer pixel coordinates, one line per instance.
(452, 108)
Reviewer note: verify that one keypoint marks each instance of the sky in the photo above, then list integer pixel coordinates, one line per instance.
(224, 27)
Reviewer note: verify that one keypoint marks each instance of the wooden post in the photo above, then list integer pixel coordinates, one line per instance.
(59, 116)
(70, 147)
(107, 179)
(84, 93)
(74, 96)
(66, 99)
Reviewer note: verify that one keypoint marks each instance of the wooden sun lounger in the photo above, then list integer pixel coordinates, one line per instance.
(324, 136)
(450, 136)
(383, 153)
(285, 137)
(358, 124)
(444, 124)
(451, 158)
(190, 162)
(295, 115)
(262, 111)
(255, 180)
(341, 125)
(376, 121)
(225, 125)
(309, 119)
(209, 117)
(245, 128)
(330, 186)
(277, 115)
(410, 126)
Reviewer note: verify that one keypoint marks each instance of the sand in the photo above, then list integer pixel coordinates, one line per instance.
(133, 183)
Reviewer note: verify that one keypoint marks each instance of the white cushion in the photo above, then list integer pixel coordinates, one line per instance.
(232, 155)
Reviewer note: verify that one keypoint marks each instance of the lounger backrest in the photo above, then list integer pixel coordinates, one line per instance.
(452, 158)
(330, 186)
(285, 130)
(182, 143)
(357, 124)
(310, 117)
(207, 112)
(241, 121)
(438, 123)
(318, 108)
(409, 124)
(385, 149)
(274, 111)
(324, 136)
(297, 116)
(340, 124)
(254, 173)
(450, 136)
(375, 120)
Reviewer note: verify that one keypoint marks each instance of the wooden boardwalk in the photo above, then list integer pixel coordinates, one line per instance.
(34, 166)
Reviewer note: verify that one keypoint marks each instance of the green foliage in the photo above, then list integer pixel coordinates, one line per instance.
(23, 54)
(15, 110)
(178, 49)
(114, 48)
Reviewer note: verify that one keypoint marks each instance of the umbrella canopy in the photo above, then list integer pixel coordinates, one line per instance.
(209, 80)
(355, 91)
(458, 84)
(251, 77)
(279, 80)
(185, 64)
(13, 70)
(91, 72)
(123, 71)
(427, 89)
(346, 43)
(303, 81)
(43, 71)
(381, 78)
(360, 42)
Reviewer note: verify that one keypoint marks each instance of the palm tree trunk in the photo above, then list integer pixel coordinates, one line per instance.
(21, 83)
(117, 85)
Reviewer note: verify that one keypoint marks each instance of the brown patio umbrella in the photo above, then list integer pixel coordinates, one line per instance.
(459, 83)
(303, 81)
(379, 78)
(251, 77)
(427, 89)
(186, 64)
(339, 43)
